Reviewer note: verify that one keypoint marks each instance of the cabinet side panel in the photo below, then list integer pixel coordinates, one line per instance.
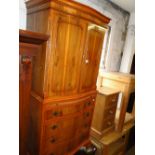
(37, 22)
(35, 126)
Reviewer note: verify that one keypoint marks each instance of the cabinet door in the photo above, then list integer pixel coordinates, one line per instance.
(67, 48)
(91, 57)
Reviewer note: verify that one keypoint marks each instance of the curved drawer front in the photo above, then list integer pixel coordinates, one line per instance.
(57, 110)
(60, 128)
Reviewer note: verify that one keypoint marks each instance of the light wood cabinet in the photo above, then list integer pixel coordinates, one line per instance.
(64, 75)
(104, 112)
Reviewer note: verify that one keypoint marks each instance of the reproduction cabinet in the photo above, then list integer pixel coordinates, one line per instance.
(30, 44)
(64, 74)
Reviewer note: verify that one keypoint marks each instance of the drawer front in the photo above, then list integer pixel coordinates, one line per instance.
(112, 100)
(110, 112)
(57, 149)
(60, 111)
(107, 123)
(64, 109)
(58, 128)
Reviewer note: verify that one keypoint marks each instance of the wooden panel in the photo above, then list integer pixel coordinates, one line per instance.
(64, 70)
(61, 129)
(60, 109)
(29, 46)
(91, 57)
(24, 106)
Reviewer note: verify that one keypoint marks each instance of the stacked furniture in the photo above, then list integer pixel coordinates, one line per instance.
(30, 44)
(64, 74)
(125, 83)
(110, 127)
(113, 143)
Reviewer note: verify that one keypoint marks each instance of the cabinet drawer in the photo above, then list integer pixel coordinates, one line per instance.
(57, 149)
(109, 112)
(107, 123)
(68, 108)
(63, 110)
(60, 129)
(83, 123)
(112, 100)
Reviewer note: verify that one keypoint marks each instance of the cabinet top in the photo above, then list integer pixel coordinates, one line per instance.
(117, 76)
(32, 37)
(61, 5)
(107, 91)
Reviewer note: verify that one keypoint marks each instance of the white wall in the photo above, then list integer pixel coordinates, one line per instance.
(119, 20)
(22, 14)
(129, 48)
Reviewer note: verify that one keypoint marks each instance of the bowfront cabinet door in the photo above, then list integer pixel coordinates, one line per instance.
(91, 57)
(66, 55)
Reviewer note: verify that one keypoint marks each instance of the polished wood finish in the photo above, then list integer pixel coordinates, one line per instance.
(29, 45)
(125, 83)
(64, 74)
(104, 112)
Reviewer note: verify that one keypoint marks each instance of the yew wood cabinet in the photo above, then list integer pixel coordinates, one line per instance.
(64, 74)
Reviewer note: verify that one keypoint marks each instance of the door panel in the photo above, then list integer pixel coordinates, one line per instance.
(91, 57)
(67, 55)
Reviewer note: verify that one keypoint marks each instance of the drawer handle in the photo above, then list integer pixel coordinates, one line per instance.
(88, 104)
(111, 112)
(87, 114)
(113, 100)
(93, 100)
(52, 154)
(54, 127)
(56, 113)
(109, 123)
(53, 140)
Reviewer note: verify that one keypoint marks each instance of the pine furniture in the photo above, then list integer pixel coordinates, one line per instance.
(104, 112)
(113, 143)
(64, 74)
(125, 83)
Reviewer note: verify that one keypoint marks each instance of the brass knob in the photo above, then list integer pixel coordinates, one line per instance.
(113, 100)
(111, 112)
(54, 127)
(52, 140)
(56, 113)
(88, 103)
